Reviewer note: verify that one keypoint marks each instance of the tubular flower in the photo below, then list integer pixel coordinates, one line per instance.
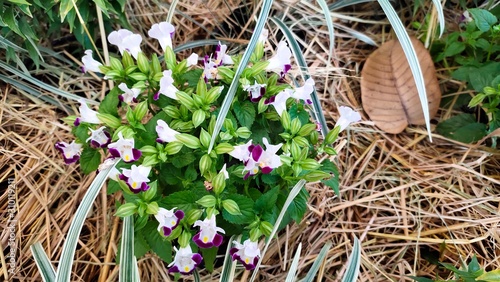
(210, 69)
(124, 149)
(136, 177)
(167, 87)
(256, 91)
(125, 40)
(99, 138)
(280, 63)
(89, 64)
(115, 173)
(347, 116)
(221, 57)
(86, 114)
(248, 253)
(304, 93)
(208, 236)
(241, 152)
(184, 261)
(263, 36)
(279, 101)
(265, 160)
(192, 60)
(163, 32)
(70, 152)
(224, 171)
(165, 133)
(168, 220)
(129, 95)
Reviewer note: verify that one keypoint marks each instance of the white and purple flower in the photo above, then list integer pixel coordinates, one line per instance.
(192, 60)
(280, 63)
(165, 133)
(304, 93)
(248, 253)
(256, 91)
(136, 178)
(221, 57)
(347, 116)
(242, 152)
(167, 87)
(86, 114)
(99, 138)
(163, 32)
(266, 160)
(185, 261)
(129, 94)
(279, 101)
(89, 64)
(115, 173)
(210, 69)
(124, 149)
(168, 220)
(208, 236)
(70, 152)
(125, 40)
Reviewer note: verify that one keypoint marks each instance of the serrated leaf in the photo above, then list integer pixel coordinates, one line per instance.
(245, 113)
(483, 19)
(183, 159)
(267, 201)
(109, 104)
(160, 246)
(183, 200)
(463, 128)
(90, 159)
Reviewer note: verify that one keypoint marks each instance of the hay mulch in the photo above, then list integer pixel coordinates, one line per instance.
(407, 199)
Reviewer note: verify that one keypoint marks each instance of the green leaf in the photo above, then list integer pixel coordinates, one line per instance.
(318, 261)
(245, 113)
(298, 206)
(159, 244)
(183, 200)
(483, 19)
(454, 49)
(102, 5)
(246, 208)
(463, 128)
(352, 272)
(109, 104)
(209, 256)
(267, 201)
(421, 279)
(490, 276)
(64, 7)
(183, 159)
(90, 160)
(9, 18)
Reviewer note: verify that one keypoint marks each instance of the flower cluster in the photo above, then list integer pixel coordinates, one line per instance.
(159, 124)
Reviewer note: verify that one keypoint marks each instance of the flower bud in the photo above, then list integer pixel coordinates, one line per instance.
(188, 140)
(205, 164)
(285, 120)
(332, 135)
(330, 151)
(152, 208)
(243, 132)
(126, 210)
(173, 148)
(150, 160)
(172, 112)
(205, 138)
(309, 164)
(184, 238)
(115, 64)
(138, 76)
(149, 195)
(207, 201)
(155, 64)
(266, 228)
(141, 110)
(185, 99)
(199, 117)
(306, 129)
(109, 120)
(301, 141)
(295, 126)
(223, 148)
(219, 183)
(169, 56)
(193, 215)
(143, 63)
(316, 176)
(231, 207)
(148, 149)
(127, 60)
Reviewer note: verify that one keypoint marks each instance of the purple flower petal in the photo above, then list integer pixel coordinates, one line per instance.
(257, 152)
(217, 240)
(167, 231)
(156, 96)
(266, 170)
(136, 154)
(114, 152)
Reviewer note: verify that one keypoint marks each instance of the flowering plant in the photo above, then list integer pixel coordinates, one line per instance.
(158, 123)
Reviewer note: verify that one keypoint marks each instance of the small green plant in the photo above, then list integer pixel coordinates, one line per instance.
(469, 273)
(473, 52)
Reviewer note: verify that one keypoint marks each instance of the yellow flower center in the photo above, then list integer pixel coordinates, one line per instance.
(127, 158)
(173, 222)
(205, 239)
(134, 184)
(247, 260)
(186, 268)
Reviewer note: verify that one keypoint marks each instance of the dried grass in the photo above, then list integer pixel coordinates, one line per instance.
(401, 195)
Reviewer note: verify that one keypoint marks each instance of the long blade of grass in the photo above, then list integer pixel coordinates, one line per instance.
(411, 56)
(229, 267)
(127, 266)
(345, 3)
(196, 276)
(43, 262)
(264, 14)
(43, 85)
(317, 262)
(31, 91)
(197, 43)
(352, 272)
(329, 24)
(295, 191)
(292, 271)
(317, 110)
(68, 251)
(439, 9)
(171, 11)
